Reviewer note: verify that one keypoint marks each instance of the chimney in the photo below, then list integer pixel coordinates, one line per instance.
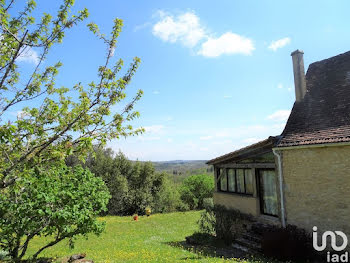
(299, 74)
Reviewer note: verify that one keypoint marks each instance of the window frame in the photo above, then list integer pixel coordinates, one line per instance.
(225, 170)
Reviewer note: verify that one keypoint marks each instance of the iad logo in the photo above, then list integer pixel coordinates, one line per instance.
(333, 235)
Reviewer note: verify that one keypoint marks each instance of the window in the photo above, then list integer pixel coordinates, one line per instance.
(235, 181)
(223, 181)
(248, 181)
(240, 180)
(231, 180)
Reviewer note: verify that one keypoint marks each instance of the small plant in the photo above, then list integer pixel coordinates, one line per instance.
(227, 224)
(207, 221)
(230, 223)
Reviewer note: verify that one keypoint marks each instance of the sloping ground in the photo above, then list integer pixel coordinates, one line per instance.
(151, 239)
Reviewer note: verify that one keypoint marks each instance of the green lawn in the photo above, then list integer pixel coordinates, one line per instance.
(151, 239)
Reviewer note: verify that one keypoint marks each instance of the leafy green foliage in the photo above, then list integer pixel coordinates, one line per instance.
(65, 120)
(195, 189)
(62, 203)
(168, 198)
(133, 185)
(207, 221)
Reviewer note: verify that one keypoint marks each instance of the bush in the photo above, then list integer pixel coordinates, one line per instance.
(133, 185)
(227, 224)
(207, 221)
(290, 243)
(60, 203)
(168, 198)
(230, 223)
(195, 189)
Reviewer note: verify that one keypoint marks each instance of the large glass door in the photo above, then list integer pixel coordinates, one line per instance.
(268, 192)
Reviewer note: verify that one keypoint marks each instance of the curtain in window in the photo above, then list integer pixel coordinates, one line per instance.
(269, 191)
(240, 180)
(249, 181)
(223, 180)
(231, 180)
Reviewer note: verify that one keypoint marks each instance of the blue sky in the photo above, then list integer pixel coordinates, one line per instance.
(216, 76)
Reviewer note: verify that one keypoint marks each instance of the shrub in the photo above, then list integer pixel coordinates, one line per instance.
(195, 189)
(207, 221)
(61, 203)
(168, 198)
(227, 224)
(133, 185)
(230, 223)
(290, 243)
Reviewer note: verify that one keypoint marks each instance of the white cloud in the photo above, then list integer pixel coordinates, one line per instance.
(155, 92)
(169, 140)
(227, 97)
(155, 129)
(251, 140)
(145, 138)
(279, 43)
(187, 146)
(223, 142)
(227, 44)
(187, 30)
(285, 87)
(142, 26)
(204, 138)
(19, 114)
(29, 55)
(280, 115)
(184, 28)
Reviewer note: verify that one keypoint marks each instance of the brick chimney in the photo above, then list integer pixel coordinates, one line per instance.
(299, 74)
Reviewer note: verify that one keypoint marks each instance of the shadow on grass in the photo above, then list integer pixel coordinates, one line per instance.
(39, 260)
(208, 246)
(205, 245)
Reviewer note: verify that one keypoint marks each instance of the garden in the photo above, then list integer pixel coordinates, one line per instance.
(157, 238)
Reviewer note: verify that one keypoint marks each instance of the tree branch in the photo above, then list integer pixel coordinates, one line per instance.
(13, 60)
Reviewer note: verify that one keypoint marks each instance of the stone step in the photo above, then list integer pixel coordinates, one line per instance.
(252, 236)
(259, 228)
(242, 248)
(250, 244)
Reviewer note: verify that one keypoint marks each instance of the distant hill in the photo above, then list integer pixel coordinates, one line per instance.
(180, 169)
(180, 164)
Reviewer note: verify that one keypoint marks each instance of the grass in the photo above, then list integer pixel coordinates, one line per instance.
(151, 239)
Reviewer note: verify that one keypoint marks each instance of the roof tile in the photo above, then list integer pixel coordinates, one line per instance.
(323, 116)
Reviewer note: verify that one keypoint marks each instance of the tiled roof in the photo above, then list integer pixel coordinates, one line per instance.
(323, 116)
(252, 149)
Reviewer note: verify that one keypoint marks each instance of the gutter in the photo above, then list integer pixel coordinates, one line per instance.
(321, 145)
(280, 177)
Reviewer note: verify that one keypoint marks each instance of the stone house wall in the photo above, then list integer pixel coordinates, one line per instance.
(317, 187)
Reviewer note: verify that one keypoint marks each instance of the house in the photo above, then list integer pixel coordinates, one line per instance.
(301, 177)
